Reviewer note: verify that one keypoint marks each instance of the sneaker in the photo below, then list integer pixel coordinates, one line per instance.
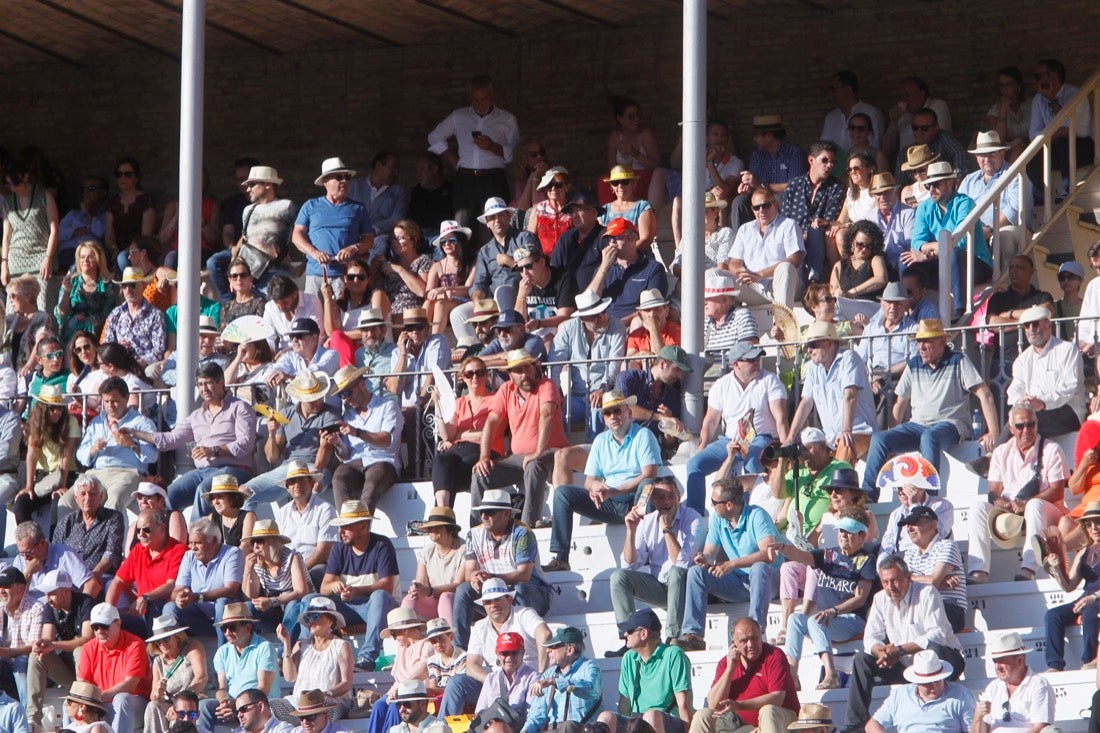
(364, 665)
(615, 653)
(555, 565)
(691, 643)
(977, 577)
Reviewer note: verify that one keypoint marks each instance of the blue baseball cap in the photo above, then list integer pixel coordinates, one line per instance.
(508, 319)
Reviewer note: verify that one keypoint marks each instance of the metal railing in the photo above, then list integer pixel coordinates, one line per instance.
(1041, 145)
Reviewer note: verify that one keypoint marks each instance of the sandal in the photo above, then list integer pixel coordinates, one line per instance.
(831, 682)
(780, 638)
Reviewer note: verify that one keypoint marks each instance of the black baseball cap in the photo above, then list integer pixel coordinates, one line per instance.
(582, 198)
(304, 325)
(11, 575)
(918, 513)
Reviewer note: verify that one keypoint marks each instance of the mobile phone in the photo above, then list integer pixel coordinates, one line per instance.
(329, 429)
(475, 134)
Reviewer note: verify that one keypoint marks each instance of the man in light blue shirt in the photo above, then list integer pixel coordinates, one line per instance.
(383, 196)
(1005, 230)
(246, 662)
(743, 532)
(622, 458)
(13, 719)
(209, 578)
(372, 428)
(929, 705)
(119, 460)
(571, 688)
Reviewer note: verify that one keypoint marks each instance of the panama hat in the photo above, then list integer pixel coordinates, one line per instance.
(917, 157)
(299, 469)
(414, 316)
(50, 394)
(493, 206)
(235, 613)
(1092, 511)
(449, 227)
(894, 293)
(813, 715)
(410, 690)
(492, 589)
(928, 667)
(437, 627)
(401, 618)
(883, 182)
(345, 377)
(224, 483)
(620, 173)
(352, 512)
(590, 304)
(929, 328)
(132, 275)
(266, 529)
(207, 324)
(988, 142)
(820, 331)
(519, 357)
(484, 309)
(650, 299)
(309, 386)
(614, 398)
(1006, 645)
(311, 702)
(767, 122)
(263, 174)
(164, 626)
(439, 516)
(323, 604)
(940, 171)
(85, 693)
(710, 201)
(370, 317)
(331, 167)
(718, 282)
(1005, 528)
(494, 500)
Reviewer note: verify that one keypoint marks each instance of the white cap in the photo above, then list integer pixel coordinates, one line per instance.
(812, 435)
(104, 613)
(55, 580)
(148, 488)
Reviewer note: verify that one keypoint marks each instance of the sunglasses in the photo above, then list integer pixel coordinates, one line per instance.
(712, 503)
(143, 530)
(355, 276)
(125, 174)
(491, 512)
(235, 626)
(933, 184)
(245, 708)
(861, 244)
(475, 373)
(556, 185)
(342, 177)
(310, 718)
(415, 327)
(54, 354)
(854, 168)
(536, 153)
(815, 344)
(100, 627)
(616, 184)
(449, 240)
(404, 704)
(1007, 715)
(857, 128)
(1023, 425)
(921, 128)
(761, 207)
(83, 347)
(239, 275)
(528, 266)
(187, 714)
(512, 653)
(310, 618)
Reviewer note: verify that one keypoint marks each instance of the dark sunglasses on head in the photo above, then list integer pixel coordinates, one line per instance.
(921, 128)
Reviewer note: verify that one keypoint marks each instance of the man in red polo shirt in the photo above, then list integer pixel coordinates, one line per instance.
(115, 661)
(753, 683)
(528, 404)
(148, 574)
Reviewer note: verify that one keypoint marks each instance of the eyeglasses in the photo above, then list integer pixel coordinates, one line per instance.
(1024, 425)
(239, 275)
(540, 153)
(857, 128)
(611, 411)
(54, 354)
(716, 503)
(815, 344)
(125, 174)
(475, 373)
(415, 327)
(355, 276)
(556, 185)
(761, 207)
(187, 714)
(143, 530)
(862, 244)
(342, 177)
(245, 708)
(100, 627)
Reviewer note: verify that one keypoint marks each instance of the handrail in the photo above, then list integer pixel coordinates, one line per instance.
(1040, 144)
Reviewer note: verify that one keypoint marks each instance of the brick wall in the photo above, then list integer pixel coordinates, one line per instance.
(294, 110)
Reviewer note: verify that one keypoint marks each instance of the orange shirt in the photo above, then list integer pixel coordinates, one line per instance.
(522, 415)
(638, 341)
(465, 419)
(105, 667)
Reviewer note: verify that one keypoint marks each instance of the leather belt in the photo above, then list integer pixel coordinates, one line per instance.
(480, 171)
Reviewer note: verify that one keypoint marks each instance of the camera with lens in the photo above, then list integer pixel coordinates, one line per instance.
(775, 451)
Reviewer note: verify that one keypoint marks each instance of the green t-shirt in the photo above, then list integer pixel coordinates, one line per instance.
(207, 307)
(653, 685)
(814, 500)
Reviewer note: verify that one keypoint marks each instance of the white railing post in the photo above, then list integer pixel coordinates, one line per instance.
(947, 262)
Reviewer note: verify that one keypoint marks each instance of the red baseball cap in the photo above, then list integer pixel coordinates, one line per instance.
(509, 641)
(617, 226)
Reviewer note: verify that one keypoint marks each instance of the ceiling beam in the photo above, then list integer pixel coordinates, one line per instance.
(220, 28)
(339, 22)
(468, 18)
(557, 4)
(88, 20)
(41, 49)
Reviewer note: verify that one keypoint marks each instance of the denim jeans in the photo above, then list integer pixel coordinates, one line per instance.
(931, 441)
(1056, 621)
(580, 409)
(799, 626)
(574, 499)
(757, 586)
(710, 459)
(187, 489)
(200, 617)
(371, 612)
(527, 594)
(286, 615)
(126, 710)
(461, 690)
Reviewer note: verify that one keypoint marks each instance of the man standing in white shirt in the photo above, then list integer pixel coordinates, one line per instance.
(486, 136)
(845, 88)
(767, 254)
(1048, 376)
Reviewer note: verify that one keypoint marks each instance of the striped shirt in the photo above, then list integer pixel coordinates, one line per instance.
(945, 551)
(440, 672)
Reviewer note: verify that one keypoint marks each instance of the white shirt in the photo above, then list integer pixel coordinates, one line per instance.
(1056, 375)
(918, 619)
(1011, 469)
(781, 239)
(309, 306)
(524, 621)
(306, 529)
(500, 126)
(836, 125)
(1033, 702)
(1090, 313)
(733, 401)
(651, 549)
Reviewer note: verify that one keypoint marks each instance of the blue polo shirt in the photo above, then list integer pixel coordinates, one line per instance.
(226, 567)
(742, 539)
(624, 285)
(930, 220)
(951, 712)
(331, 227)
(617, 463)
(242, 668)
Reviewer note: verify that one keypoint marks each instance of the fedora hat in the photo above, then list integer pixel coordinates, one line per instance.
(309, 386)
(940, 171)
(50, 394)
(548, 176)
(234, 613)
(263, 174)
(767, 122)
(1005, 528)
(370, 317)
(519, 357)
(820, 331)
(844, 478)
(494, 500)
(650, 299)
(439, 516)
(620, 173)
(484, 309)
(493, 206)
(1092, 511)
(323, 604)
(590, 304)
(615, 398)
(410, 690)
(1006, 645)
(266, 529)
(224, 483)
(401, 618)
(718, 282)
(311, 702)
(929, 328)
(85, 693)
(132, 275)
(437, 627)
(883, 182)
(988, 142)
(928, 667)
(352, 512)
(346, 377)
(331, 167)
(894, 293)
(414, 316)
(165, 626)
(813, 715)
(207, 324)
(917, 157)
(449, 227)
(492, 589)
(299, 469)
(710, 201)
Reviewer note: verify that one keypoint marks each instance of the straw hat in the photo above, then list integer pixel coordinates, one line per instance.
(414, 316)
(263, 174)
(988, 142)
(710, 201)
(519, 357)
(614, 398)
(309, 386)
(410, 690)
(718, 282)
(928, 667)
(311, 702)
(813, 715)
(767, 122)
(917, 157)
(235, 613)
(440, 516)
(323, 604)
(883, 182)
(484, 309)
(1005, 528)
(492, 589)
(331, 167)
(820, 331)
(224, 483)
(929, 328)
(207, 324)
(50, 394)
(352, 511)
(266, 529)
(85, 693)
(346, 377)
(940, 171)
(164, 626)
(1092, 511)
(401, 618)
(590, 304)
(132, 275)
(370, 317)
(299, 469)
(620, 173)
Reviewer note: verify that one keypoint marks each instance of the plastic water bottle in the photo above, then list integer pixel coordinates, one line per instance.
(977, 424)
(49, 719)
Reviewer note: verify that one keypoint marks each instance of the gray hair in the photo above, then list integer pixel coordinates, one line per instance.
(206, 528)
(159, 517)
(29, 530)
(897, 560)
(88, 480)
(1023, 407)
(730, 489)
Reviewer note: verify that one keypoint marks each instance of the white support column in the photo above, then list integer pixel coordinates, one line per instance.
(691, 275)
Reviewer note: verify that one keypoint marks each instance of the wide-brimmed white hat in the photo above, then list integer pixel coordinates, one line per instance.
(718, 282)
(401, 618)
(590, 304)
(330, 167)
(164, 626)
(494, 206)
(449, 227)
(492, 589)
(650, 299)
(325, 605)
(352, 511)
(494, 499)
(548, 176)
(263, 174)
(941, 170)
(988, 142)
(309, 386)
(1006, 645)
(928, 667)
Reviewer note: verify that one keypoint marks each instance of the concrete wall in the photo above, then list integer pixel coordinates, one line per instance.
(294, 110)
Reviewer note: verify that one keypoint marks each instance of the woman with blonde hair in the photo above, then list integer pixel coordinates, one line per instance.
(275, 576)
(178, 663)
(87, 293)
